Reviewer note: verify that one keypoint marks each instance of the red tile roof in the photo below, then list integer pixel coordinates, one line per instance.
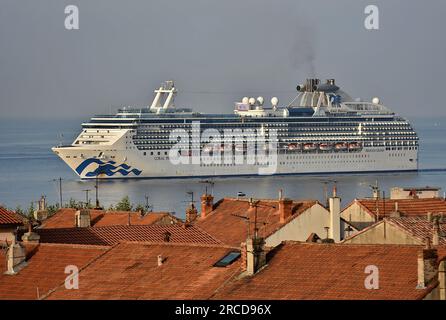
(408, 207)
(45, 269)
(110, 235)
(418, 227)
(131, 271)
(224, 225)
(9, 218)
(64, 218)
(311, 271)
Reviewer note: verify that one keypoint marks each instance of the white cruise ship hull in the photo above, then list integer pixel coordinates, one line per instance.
(116, 161)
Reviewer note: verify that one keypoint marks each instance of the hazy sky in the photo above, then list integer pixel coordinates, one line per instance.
(217, 52)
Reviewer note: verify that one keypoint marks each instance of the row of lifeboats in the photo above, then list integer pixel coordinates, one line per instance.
(339, 146)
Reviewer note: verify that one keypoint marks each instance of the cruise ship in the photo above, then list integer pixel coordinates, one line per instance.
(322, 130)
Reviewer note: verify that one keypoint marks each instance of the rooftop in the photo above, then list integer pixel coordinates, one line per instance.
(65, 218)
(45, 269)
(414, 207)
(417, 227)
(308, 271)
(231, 217)
(9, 218)
(131, 271)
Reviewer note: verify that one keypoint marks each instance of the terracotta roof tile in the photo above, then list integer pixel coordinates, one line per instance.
(131, 271)
(45, 269)
(9, 218)
(405, 206)
(64, 218)
(301, 271)
(110, 235)
(418, 227)
(225, 223)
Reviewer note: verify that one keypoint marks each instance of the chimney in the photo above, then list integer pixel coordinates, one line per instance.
(167, 236)
(436, 232)
(16, 257)
(30, 236)
(243, 256)
(41, 213)
(285, 209)
(191, 213)
(429, 216)
(335, 216)
(82, 218)
(442, 279)
(160, 260)
(427, 265)
(255, 255)
(207, 205)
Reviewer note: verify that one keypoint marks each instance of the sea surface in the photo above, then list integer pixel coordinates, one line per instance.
(29, 169)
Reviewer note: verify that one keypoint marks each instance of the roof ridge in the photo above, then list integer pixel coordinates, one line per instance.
(180, 244)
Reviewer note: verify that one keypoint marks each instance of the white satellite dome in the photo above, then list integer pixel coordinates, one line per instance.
(252, 101)
(274, 101)
(245, 100)
(260, 100)
(376, 100)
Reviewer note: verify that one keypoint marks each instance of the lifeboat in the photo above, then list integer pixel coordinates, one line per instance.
(239, 148)
(341, 146)
(293, 146)
(309, 146)
(354, 146)
(325, 146)
(207, 149)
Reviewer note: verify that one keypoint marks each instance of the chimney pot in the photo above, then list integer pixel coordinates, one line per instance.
(191, 213)
(285, 209)
(335, 216)
(82, 218)
(255, 255)
(207, 205)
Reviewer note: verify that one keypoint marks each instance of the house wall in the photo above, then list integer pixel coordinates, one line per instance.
(313, 219)
(400, 193)
(383, 233)
(357, 215)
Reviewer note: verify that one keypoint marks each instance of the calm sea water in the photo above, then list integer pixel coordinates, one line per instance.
(28, 168)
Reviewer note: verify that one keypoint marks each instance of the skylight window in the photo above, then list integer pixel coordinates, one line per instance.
(228, 259)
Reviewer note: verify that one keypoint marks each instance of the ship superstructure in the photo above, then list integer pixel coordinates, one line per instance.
(323, 130)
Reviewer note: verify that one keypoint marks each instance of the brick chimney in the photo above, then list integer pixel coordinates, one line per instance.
(335, 216)
(82, 218)
(191, 213)
(285, 209)
(16, 257)
(255, 255)
(30, 236)
(207, 205)
(427, 265)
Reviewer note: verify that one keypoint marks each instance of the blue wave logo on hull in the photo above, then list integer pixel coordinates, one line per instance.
(108, 168)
